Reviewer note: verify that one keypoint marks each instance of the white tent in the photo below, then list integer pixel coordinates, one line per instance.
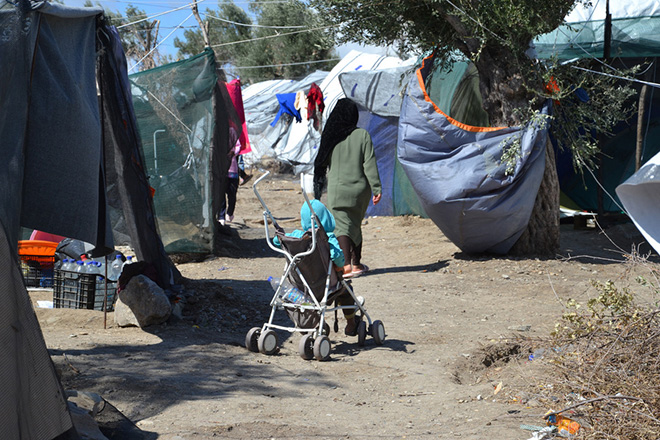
(260, 105)
(297, 143)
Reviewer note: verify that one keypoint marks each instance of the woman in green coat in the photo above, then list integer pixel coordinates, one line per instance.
(347, 156)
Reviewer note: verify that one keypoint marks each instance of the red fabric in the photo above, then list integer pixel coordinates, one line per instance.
(314, 99)
(234, 89)
(553, 89)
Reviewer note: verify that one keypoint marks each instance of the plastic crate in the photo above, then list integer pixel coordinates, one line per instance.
(37, 261)
(73, 290)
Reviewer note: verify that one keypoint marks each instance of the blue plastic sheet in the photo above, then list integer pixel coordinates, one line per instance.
(459, 176)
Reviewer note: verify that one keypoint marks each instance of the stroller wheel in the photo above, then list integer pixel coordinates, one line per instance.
(252, 339)
(306, 346)
(322, 348)
(378, 332)
(361, 333)
(326, 329)
(267, 342)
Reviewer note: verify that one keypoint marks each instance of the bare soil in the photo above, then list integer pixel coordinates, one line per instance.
(451, 366)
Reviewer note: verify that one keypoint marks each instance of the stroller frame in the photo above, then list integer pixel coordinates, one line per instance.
(315, 342)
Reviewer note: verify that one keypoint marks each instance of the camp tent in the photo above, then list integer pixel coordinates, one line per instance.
(635, 31)
(379, 95)
(261, 107)
(635, 39)
(457, 170)
(62, 143)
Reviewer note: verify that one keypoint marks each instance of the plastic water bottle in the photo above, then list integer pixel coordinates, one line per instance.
(129, 260)
(80, 267)
(66, 265)
(115, 268)
(294, 296)
(274, 282)
(100, 279)
(90, 267)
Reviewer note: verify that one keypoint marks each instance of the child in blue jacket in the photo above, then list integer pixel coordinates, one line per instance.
(327, 220)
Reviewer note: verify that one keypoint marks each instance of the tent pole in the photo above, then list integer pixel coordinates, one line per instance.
(640, 126)
(607, 44)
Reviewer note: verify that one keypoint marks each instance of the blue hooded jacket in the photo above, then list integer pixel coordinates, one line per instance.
(327, 220)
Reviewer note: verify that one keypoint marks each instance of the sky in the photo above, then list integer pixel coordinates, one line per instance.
(173, 24)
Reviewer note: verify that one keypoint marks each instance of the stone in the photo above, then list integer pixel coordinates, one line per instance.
(142, 303)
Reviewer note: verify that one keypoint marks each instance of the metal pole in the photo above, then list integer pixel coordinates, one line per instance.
(156, 150)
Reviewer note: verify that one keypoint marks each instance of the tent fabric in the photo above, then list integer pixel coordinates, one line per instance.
(261, 106)
(378, 91)
(457, 172)
(39, 89)
(129, 196)
(640, 195)
(635, 31)
(379, 95)
(60, 91)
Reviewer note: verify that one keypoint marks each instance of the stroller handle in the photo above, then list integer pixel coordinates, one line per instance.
(269, 215)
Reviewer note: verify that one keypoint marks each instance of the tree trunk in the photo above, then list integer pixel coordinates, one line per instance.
(542, 234)
(503, 91)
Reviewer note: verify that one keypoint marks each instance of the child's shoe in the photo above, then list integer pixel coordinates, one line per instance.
(352, 326)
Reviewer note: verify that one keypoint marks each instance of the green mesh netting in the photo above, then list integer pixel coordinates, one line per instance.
(174, 111)
(631, 37)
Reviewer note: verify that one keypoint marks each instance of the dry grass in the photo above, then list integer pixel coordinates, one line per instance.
(605, 359)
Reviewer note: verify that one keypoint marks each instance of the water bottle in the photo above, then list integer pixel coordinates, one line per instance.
(294, 296)
(101, 267)
(90, 267)
(65, 264)
(129, 259)
(274, 282)
(100, 279)
(115, 268)
(80, 267)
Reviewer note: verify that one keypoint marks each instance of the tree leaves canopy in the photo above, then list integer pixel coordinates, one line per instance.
(229, 23)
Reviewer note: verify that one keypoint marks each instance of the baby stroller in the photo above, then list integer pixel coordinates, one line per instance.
(308, 268)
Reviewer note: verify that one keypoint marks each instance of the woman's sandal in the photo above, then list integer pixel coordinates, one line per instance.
(359, 272)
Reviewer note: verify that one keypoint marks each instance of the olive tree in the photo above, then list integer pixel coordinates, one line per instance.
(496, 35)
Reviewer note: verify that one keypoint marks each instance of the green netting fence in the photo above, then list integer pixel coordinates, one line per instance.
(175, 113)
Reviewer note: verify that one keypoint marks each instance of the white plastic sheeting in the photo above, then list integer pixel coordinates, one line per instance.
(640, 195)
(290, 141)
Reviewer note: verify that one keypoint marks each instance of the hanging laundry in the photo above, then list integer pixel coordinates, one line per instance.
(287, 105)
(234, 89)
(315, 105)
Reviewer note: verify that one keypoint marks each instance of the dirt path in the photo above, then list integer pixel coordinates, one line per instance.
(193, 379)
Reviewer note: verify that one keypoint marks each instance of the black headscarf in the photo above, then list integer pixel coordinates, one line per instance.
(341, 122)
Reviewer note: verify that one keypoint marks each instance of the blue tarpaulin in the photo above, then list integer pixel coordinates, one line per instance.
(457, 171)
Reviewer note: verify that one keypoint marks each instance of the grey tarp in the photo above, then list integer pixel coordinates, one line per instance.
(36, 49)
(63, 123)
(458, 175)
